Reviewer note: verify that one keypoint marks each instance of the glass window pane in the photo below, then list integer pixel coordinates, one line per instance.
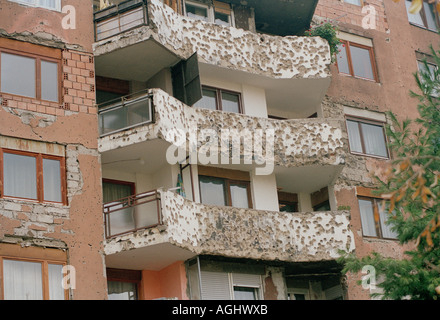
(413, 18)
(361, 61)
(384, 217)
(230, 102)
(122, 290)
(115, 191)
(355, 2)
(367, 218)
(222, 19)
(430, 15)
(18, 75)
(354, 136)
(244, 293)
(52, 180)
(56, 290)
(212, 191)
(342, 59)
(22, 280)
(49, 81)
(208, 101)
(374, 140)
(196, 12)
(20, 176)
(50, 4)
(239, 196)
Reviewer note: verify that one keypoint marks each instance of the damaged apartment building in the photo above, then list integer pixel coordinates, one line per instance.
(96, 95)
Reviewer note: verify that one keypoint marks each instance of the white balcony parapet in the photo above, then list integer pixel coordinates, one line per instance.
(275, 57)
(297, 142)
(244, 233)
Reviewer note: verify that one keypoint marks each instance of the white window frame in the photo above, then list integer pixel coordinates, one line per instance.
(232, 282)
(292, 291)
(38, 4)
(420, 64)
(355, 4)
(211, 12)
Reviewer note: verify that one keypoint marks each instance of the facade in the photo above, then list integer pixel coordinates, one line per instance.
(197, 149)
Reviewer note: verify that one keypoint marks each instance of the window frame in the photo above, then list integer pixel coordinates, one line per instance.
(127, 276)
(130, 184)
(348, 44)
(229, 177)
(211, 11)
(219, 99)
(39, 175)
(37, 4)
(353, 4)
(376, 216)
(39, 55)
(33, 254)
(421, 61)
(361, 120)
(423, 17)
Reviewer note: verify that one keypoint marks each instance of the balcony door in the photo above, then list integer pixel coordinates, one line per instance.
(115, 191)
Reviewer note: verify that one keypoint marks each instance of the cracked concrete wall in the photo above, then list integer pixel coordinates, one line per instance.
(244, 233)
(228, 47)
(297, 142)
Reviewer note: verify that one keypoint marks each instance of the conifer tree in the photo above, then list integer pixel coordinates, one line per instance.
(411, 189)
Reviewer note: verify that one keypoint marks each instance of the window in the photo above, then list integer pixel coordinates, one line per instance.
(46, 4)
(30, 74)
(33, 176)
(115, 190)
(219, 13)
(374, 218)
(287, 202)
(430, 68)
(197, 11)
(356, 60)
(26, 276)
(355, 2)
(219, 99)
(123, 284)
(224, 192)
(230, 286)
(367, 137)
(427, 17)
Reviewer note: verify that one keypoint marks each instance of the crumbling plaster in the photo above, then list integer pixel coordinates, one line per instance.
(237, 233)
(272, 56)
(75, 226)
(296, 142)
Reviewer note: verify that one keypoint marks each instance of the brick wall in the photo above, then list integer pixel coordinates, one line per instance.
(77, 92)
(345, 13)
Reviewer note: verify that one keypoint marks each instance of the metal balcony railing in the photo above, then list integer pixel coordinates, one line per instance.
(125, 112)
(133, 213)
(120, 18)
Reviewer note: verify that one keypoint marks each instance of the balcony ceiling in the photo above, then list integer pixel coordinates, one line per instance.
(305, 179)
(137, 157)
(281, 17)
(137, 62)
(152, 257)
(298, 96)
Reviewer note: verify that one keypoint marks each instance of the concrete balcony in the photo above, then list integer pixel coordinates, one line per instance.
(188, 229)
(296, 143)
(138, 39)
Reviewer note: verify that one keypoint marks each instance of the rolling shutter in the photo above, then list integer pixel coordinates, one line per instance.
(215, 286)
